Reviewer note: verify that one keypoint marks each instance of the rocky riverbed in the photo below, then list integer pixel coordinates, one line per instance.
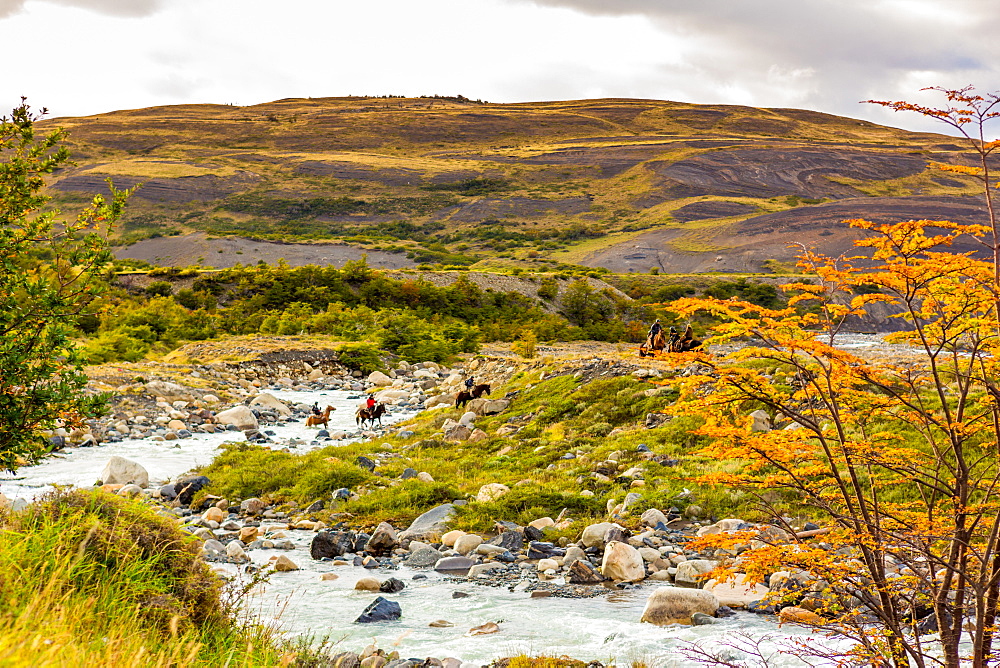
(610, 595)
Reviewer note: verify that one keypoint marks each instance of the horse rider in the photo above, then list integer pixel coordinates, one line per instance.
(370, 404)
(315, 409)
(655, 329)
(469, 382)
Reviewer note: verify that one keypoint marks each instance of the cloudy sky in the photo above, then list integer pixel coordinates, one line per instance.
(87, 56)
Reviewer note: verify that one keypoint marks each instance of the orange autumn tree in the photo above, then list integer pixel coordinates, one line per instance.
(899, 454)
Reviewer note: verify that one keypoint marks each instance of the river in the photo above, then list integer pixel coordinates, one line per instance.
(604, 628)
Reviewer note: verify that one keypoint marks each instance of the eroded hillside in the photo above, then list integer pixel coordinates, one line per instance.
(624, 184)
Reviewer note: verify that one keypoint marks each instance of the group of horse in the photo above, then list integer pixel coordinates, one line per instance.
(674, 343)
(375, 413)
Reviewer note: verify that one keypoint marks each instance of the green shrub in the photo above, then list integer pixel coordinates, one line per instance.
(363, 357)
(160, 289)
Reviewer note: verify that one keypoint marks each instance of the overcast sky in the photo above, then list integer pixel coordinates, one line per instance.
(81, 57)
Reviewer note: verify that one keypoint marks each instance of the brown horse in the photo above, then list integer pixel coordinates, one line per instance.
(685, 342)
(322, 419)
(464, 397)
(370, 415)
(653, 344)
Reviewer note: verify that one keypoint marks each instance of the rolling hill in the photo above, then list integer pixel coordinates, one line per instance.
(624, 184)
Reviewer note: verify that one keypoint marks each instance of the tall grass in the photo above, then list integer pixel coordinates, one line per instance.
(89, 579)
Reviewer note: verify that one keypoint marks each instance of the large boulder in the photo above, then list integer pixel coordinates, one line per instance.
(622, 562)
(675, 605)
(265, 400)
(240, 417)
(162, 388)
(440, 400)
(331, 544)
(689, 572)
(380, 610)
(468, 543)
(379, 379)
(121, 471)
(761, 421)
(383, 539)
(736, 593)
(185, 489)
(652, 517)
(593, 534)
(491, 492)
(484, 406)
(431, 525)
(457, 432)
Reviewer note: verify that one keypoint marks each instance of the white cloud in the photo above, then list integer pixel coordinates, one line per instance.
(101, 55)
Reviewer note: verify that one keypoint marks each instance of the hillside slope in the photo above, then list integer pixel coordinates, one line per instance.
(620, 183)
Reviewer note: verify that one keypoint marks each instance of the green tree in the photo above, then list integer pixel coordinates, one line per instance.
(47, 280)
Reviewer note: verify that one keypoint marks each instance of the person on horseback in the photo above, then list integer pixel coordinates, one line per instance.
(315, 409)
(469, 382)
(371, 401)
(655, 329)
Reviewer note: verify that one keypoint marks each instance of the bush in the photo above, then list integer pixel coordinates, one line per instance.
(363, 357)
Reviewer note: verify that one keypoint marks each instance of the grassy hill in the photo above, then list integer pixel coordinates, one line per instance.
(625, 184)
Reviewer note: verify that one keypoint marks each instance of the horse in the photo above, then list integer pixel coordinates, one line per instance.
(465, 397)
(685, 343)
(653, 344)
(370, 414)
(321, 419)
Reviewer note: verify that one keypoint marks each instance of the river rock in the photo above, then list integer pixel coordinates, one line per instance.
(430, 525)
(448, 539)
(167, 390)
(214, 514)
(269, 401)
(379, 379)
(121, 471)
(392, 586)
(368, 584)
(283, 564)
(736, 593)
(675, 605)
(454, 565)
(652, 517)
(457, 432)
(581, 572)
(240, 417)
(761, 421)
(383, 539)
(796, 615)
(484, 629)
(346, 660)
(380, 610)
(493, 406)
(509, 540)
(467, 543)
(593, 534)
(688, 572)
(186, 488)
(423, 557)
(491, 492)
(252, 506)
(331, 544)
(235, 551)
(622, 562)
(483, 569)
